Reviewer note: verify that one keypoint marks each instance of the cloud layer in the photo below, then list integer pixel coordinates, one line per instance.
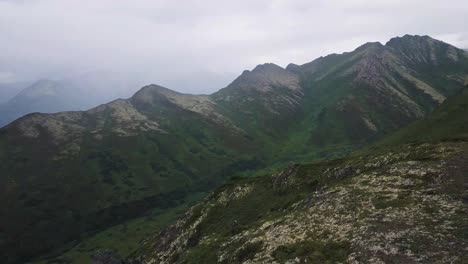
(174, 42)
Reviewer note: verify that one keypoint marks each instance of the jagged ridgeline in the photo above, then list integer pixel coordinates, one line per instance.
(83, 171)
(401, 201)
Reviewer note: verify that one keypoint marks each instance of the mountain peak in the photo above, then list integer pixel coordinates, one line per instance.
(155, 88)
(292, 67)
(424, 49)
(263, 76)
(267, 67)
(263, 69)
(410, 39)
(369, 46)
(149, 93)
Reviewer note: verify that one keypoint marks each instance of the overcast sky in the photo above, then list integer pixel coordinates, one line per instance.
(200, 46)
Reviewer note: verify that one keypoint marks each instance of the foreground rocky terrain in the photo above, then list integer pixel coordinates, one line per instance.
(404, 205)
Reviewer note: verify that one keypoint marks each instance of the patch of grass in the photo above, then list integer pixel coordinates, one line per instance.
(205, 253)
(446, 123)
(381, 202)
(238, 215)
(123, 238)
(313, 252)
(248, 251)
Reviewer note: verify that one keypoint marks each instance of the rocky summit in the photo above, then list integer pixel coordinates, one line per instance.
(160, 150)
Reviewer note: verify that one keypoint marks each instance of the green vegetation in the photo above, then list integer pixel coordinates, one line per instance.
(313, 252)
(383, 202)
(248, 251)
(123, 238)
(201, 254)
(448, 122)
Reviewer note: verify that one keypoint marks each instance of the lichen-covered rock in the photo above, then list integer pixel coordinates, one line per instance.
(400, 206)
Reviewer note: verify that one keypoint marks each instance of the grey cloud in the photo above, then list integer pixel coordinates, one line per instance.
(199, 46)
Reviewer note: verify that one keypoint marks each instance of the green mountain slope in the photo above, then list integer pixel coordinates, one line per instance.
(357, 97)
(448, 122)
(340, 102)
(84, 171)
(398, 203)
(87, 170)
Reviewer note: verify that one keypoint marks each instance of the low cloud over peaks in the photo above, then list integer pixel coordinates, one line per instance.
(168, 41)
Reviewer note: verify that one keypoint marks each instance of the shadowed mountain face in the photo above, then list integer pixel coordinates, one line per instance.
(90, 169)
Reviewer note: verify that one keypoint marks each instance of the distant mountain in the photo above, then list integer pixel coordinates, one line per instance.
(87, 170)
(9, 90)
(76, 93)
(45, 96)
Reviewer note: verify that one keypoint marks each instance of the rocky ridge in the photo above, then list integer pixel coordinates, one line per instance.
(404, 205)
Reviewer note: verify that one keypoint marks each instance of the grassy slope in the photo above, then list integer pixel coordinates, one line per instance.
(122, 238)
(448, 122)
(336, 100)
(114, 184)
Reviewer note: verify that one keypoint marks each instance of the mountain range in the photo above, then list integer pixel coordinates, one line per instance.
(88, 170)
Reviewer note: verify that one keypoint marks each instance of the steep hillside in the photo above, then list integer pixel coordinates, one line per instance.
(92, 169)
(357, 97)
(267, 98)
(87, 170)
(449, 122)
(394, 204)
(340, 102)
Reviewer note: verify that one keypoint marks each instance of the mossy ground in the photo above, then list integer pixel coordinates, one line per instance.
(393, 204)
